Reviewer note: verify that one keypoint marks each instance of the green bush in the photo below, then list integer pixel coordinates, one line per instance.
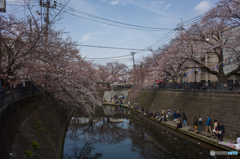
(38, 123)
(28, 153)
(35, 145)
(40, 129)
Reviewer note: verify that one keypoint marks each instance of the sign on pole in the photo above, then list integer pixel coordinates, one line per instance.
(3, 6)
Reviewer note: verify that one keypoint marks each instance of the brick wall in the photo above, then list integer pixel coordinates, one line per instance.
(222, 106)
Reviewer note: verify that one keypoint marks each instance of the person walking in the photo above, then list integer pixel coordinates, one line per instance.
(184, 119)
(199, 123)
(208, 125)
(169, 113)
(221, 131)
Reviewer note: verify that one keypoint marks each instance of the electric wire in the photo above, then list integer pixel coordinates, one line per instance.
(108, 47)
(109, 23)
(127, 41)
(112, 21)
(109, 57)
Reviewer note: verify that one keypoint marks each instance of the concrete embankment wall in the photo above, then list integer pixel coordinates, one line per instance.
(35, 123)
(222, 106)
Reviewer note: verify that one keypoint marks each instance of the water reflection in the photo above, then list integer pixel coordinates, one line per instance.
(120, 134)
(85, 152)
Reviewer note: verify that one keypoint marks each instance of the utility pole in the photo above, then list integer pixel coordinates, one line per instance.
(47, 5)
(181, 28)
(133, 53)
(141, 70)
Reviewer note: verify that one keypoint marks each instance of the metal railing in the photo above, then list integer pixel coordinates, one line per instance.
(7, 96)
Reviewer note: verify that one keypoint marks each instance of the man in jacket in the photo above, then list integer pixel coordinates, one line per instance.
(221, 131)
(178, 116)
(174, 115)
(208, 125)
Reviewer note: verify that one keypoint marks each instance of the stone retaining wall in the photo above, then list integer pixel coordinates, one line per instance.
(222, 106)
(31, 120)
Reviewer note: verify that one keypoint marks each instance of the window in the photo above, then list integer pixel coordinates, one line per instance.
(238, 58)
(208, 59)
(227, 62)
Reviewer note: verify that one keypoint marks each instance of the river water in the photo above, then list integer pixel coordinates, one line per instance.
(119, 134)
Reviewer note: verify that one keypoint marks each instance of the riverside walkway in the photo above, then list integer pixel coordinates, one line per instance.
(188, 131)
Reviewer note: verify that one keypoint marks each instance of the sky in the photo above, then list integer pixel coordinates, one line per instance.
(165, 14)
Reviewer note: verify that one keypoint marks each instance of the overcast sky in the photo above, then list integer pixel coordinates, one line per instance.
(148, 13)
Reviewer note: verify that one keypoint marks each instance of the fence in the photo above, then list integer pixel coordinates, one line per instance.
(7, 96)
(197, 86)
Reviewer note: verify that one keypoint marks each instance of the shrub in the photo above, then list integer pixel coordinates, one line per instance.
(28, 153)
(35, 145)
(38, 123)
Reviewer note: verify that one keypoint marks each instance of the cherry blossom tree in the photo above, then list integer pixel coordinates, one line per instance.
(216, 34)
(211, 36)
(227, 9)
(112, 71)
(53, 63)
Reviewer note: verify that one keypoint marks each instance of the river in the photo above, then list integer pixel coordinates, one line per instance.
(120, 134)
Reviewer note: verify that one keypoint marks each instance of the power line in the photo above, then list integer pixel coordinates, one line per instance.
(112, 21)
(118, 59)
(108, 47)
(128, 41)
(162, 40)
(109, 57)
(109, 23)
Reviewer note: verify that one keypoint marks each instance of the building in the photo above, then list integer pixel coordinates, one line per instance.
(230, 60)
(210, 61)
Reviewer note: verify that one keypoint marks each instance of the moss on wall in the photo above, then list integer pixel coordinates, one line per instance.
(35, 127)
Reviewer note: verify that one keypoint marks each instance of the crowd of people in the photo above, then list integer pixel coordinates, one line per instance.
(116, 99)
(181, 120)
(210, 85)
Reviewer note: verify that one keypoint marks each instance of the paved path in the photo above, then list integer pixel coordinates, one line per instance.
(193, 133)
(208, 136)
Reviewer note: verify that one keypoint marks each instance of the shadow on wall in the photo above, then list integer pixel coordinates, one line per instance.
(33, 125)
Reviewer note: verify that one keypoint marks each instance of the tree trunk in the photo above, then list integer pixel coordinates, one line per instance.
(223, 85)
